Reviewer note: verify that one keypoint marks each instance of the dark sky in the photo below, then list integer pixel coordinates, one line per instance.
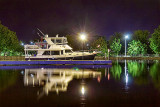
(102, 17)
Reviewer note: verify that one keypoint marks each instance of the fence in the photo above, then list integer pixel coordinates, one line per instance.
(149, 57)
(13, 58)
(140, 55)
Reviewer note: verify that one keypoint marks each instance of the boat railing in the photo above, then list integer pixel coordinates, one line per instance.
(31, 47)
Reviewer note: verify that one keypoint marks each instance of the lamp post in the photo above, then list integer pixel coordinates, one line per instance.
(126, 37)
(83, 38)
(108, 53)
(31, 42)
(22, 44)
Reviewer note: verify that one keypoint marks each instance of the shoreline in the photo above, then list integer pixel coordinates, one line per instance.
(134, 58)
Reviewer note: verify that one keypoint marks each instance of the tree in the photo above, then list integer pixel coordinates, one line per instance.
(136, 48)
(118, 35)
(141, 35)
(101, 45)
(8, 41)
(155, 41)
(115, 46)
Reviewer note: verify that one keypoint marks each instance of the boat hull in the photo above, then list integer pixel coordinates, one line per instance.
(86, 57)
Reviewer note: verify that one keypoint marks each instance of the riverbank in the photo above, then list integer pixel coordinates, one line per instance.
(12, 58)
(127, 58)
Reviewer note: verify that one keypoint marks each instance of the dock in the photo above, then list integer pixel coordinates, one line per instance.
(56, 62)
(17, 67)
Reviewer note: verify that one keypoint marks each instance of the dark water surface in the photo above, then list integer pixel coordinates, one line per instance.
(134, 83)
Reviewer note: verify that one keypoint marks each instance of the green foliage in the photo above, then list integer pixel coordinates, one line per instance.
(9, 42)
(115, 46)
(153, 46)
(155, 41)
(141, 35)
(116, 71)
(136, 48)
(116, 35)
(101, 45)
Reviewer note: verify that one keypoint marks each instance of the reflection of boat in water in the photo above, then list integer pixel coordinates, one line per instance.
(56, 80)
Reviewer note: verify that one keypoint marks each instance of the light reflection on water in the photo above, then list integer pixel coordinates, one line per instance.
(124, 82)
(56, 80)
(126, 77)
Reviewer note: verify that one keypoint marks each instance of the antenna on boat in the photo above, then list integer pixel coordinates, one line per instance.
(40, 35)
(40, 32)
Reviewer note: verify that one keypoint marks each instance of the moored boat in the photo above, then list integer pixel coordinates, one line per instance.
(55, 48)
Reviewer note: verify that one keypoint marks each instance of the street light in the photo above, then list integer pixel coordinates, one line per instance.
(126, 37)
(22, 44)
(83, 38)
(31, 42)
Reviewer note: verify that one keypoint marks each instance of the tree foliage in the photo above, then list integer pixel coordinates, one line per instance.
(101, 45)
(116, 35)
(155, 41)
(136, 48)
(9, 43)
(141, 35)
(115, 46)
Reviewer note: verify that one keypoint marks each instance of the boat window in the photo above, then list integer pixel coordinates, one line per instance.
(61, 51)
(68, 51)
(58, 41)
(52, 40)
(54, 52)
(65, 40)
(46, 53)
(32, 53)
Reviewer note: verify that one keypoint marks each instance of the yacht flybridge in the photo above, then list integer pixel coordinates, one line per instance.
(54, 48)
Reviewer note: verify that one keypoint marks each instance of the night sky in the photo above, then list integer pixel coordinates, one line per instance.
(96, 17)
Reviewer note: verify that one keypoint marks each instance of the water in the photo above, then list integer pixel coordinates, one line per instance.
(124, 84)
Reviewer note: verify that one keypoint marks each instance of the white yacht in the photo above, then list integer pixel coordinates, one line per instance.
(54, 48)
